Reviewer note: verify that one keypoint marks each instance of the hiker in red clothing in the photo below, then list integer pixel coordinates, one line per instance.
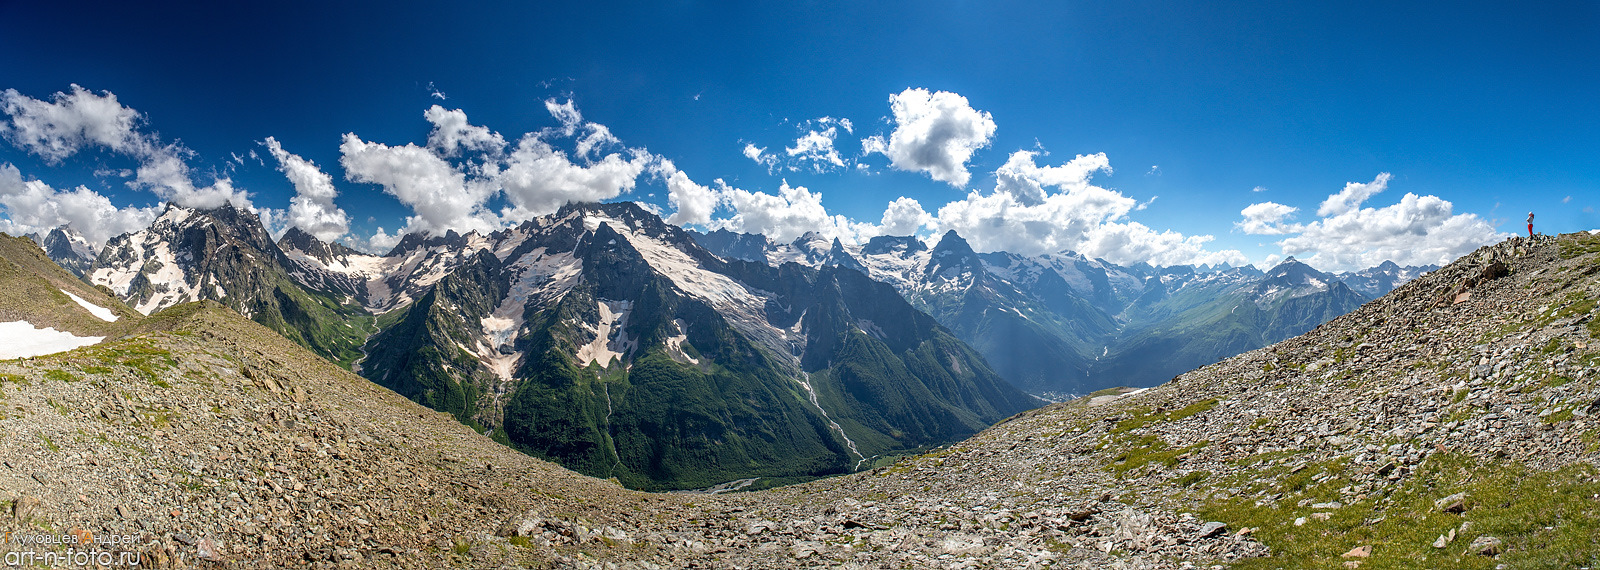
(1530, 225)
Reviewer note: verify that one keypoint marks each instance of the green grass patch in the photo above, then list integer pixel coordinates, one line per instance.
(1144, 416)
(1147, 450)
(144, 358)
(1193, 409)
(1190, 479)
(96, 370)
(60, 376)
(1558, 417)
(1547, 519)
(1579, 245)
(50, 445)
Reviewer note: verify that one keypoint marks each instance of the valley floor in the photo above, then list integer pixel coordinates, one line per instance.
(1448, 424)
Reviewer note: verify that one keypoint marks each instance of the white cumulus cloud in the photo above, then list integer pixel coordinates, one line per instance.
(692, 203)
(538, 178)
(450, 182)
(935, 132)
(434, 189)
(31, 206)
(1023, 178)
(1266, 218)
(816, 147)
(784, 216)
(452, 134)
(904, 216)
(1351, 197)
(1418, 230)
(1045, 209)
(59, 128)
(71, 122)
(312, 208)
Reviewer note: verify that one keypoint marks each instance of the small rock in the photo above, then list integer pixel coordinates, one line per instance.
(1445, 539)
(1300, 521)
(209, 550)
(1452, 504)
(1211, 529)
(1358, 552)
(1328, 506)
(1485, 546)
(184, 538)
(23, 508)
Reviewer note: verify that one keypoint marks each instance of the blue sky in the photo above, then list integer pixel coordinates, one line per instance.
(1480, 111)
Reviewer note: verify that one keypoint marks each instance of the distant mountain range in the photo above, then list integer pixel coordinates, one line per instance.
(599, 337)
(1063, 324)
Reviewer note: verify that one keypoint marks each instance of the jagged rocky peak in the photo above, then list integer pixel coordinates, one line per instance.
(735, 245)
(188, 255)
(839, 256)
(1376, 281)
(298, 240)
(604, 307)
(903, 245)
(953, 252)
(423, 240)
(1291, 272)
(810, 241)
(69, 249)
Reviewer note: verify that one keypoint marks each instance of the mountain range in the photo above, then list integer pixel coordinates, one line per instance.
(621, 346)
(1062, 324)
(599, 337)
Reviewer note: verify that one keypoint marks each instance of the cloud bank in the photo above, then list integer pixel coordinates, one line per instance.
(1418, 230)
(32, 207)
(467, 177)
(82, 119)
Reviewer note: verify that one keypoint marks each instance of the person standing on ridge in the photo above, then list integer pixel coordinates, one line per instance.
(1530, 225)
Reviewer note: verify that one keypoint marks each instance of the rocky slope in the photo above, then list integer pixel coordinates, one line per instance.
(42, 293)
(1451, 424)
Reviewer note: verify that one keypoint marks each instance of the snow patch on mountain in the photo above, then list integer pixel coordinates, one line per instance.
(20, 339)
(98, 311)
(610, 335)
(675, 343)
(743, 306)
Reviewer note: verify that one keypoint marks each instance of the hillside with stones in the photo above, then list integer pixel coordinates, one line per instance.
(1449, 424)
